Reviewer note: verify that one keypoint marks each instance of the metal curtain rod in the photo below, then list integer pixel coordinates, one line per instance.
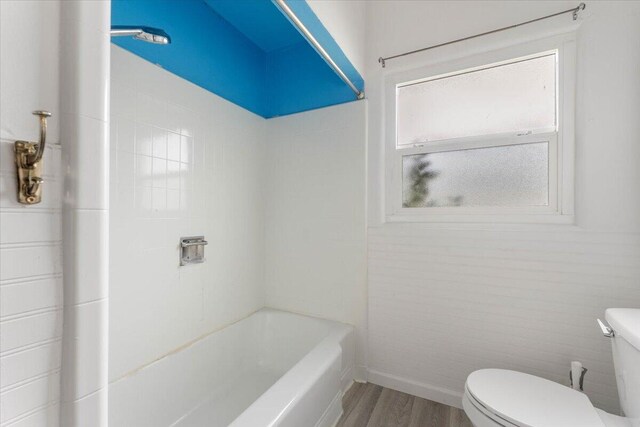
(311, 39)
(575, 11)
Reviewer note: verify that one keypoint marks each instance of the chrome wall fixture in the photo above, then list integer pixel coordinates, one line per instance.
(607, 331)
(29, 164)
(145, 34)
(192, 250)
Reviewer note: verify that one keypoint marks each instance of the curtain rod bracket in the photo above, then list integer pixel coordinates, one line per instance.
(577, 10)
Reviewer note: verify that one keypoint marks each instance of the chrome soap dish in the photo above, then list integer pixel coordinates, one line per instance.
(192, 250)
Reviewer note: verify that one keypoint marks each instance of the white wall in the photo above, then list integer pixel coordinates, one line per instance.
(445, 300)
(30, 236)
(184, 163)
(315, 215)
(346, 21)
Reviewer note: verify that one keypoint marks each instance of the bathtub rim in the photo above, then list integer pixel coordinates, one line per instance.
(279, 399)
(287, 391)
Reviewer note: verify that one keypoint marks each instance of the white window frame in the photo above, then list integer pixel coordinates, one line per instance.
(560, 139)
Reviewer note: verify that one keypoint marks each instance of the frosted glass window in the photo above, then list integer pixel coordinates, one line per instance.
(516, 97)
(505, 176)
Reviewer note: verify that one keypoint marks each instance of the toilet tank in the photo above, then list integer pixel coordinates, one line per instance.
(626, 357)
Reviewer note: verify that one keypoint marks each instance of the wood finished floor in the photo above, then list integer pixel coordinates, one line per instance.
(370, 405)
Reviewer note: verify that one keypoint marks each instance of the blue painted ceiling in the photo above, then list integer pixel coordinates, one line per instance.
(245, 51)
(259, 21)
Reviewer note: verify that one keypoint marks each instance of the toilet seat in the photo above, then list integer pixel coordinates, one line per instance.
(513, 398)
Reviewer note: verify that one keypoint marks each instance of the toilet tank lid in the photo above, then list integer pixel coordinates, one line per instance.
(626, 323)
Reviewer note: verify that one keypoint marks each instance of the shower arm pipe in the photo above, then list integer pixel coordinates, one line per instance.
(383, 60)
(314, 42)
(118, 32)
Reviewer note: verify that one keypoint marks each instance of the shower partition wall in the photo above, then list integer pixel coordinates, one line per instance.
(84, 103)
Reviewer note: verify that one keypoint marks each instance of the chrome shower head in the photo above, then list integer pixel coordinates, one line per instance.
(146, 34)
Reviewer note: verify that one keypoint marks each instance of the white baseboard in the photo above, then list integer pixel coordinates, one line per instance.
(347, 386)
(346, 379)
(353, 374)
(426, 391)
(360, 374)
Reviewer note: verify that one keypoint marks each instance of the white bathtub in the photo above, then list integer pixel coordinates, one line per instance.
(271, 369)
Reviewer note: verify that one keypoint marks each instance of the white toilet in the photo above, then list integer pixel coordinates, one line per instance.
(499, 397)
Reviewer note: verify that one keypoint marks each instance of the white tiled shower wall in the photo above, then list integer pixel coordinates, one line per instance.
(316, 216)
(184, 163)
(30, 237)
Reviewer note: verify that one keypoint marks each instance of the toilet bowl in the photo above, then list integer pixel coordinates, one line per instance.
(500, 397)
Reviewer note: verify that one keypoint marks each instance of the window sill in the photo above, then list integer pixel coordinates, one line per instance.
(483, 219)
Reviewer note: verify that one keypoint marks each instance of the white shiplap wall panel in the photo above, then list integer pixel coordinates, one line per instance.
(21, 263)
(20, 367)
(46, 416)
(30, 236)
(30, 296)
(33, 396)
(443, 303)
(35, 227)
